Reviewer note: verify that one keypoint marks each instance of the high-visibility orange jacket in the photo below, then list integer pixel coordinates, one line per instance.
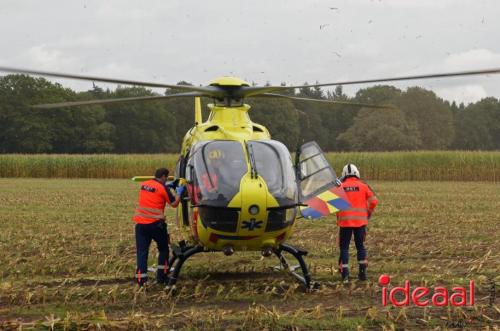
(153, 197)
(363, 202)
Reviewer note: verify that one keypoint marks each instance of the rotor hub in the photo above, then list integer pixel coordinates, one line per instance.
(228, 81)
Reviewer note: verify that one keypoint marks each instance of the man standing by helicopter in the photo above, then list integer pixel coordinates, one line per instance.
(354, 220)
(150, 224)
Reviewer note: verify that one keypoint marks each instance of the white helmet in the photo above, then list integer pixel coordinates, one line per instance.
(350, 170)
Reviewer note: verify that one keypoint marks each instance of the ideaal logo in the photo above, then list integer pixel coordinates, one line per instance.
(424, 296)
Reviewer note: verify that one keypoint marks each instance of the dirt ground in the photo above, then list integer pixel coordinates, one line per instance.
(67, 261)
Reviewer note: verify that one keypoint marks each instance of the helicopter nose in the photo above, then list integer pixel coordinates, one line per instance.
(254, 210)
(253, 204)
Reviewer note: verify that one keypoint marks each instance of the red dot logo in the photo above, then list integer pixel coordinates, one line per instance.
(384, 280)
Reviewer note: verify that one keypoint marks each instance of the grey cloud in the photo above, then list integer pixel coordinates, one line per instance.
(260, 40)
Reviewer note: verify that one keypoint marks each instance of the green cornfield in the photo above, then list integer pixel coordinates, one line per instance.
(422, 165)
(83, 166)
(398, 166)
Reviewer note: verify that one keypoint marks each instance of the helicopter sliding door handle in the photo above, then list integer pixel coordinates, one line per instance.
(288, 206)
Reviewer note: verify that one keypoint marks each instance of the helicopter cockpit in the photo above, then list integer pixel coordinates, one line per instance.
(216, 167)
(274, 163)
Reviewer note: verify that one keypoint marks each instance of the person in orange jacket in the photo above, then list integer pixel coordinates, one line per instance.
(353, 221)
(150, 224)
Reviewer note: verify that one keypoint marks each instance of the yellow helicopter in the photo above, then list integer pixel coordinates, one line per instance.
(245, 192)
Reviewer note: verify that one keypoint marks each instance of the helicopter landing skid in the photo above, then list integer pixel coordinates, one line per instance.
(182, 252)
(180, 255)
(298, 253)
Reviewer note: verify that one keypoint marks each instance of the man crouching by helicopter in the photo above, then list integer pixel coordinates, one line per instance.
(354, 220)
(150, 224)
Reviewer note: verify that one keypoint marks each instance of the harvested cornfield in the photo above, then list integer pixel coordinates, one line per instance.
(399, 166)
(68, 257)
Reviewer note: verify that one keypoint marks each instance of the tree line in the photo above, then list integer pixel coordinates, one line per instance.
(417, 120)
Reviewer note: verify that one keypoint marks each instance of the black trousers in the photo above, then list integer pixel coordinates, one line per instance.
(144, 234)
(345, 235)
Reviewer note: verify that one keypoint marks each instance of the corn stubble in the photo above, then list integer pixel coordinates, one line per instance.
(67, 260)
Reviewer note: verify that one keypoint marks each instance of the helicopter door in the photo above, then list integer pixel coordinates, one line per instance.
(180, 172)
(319, 187)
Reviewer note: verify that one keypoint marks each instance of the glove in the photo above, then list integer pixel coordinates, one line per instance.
(180, 189)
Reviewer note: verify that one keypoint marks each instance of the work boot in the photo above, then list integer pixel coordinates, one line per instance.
(345, 275)
(142, 282)
(345, 280)
(362, 272)
(141, 279)
(161, 278)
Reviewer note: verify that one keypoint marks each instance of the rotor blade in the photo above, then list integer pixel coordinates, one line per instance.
(274, 95)
(414, 77)
(247, 91)
(209, 90)
(118, 100)
(250, 91)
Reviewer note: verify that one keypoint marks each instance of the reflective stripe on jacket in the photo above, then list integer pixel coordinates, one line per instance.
(153, 197)
(363, 202)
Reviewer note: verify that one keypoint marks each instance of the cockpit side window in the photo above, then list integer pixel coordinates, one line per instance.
(274, 165)
(219, 166)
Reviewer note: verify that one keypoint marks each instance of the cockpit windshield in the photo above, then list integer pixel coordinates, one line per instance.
(216, 169)
(274, 163)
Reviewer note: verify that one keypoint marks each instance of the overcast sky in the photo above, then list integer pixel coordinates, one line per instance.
(293, 41)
